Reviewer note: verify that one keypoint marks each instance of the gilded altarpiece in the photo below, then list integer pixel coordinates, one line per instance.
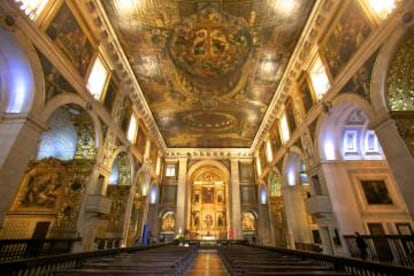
(208, 206)
(277, 210)
(119, 195)
(51, 191)
(400, 90)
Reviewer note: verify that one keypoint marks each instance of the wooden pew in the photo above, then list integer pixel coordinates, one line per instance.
(244, 260)
(169, 260)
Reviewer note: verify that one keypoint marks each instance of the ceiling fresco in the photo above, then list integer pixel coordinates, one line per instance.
(208, 69)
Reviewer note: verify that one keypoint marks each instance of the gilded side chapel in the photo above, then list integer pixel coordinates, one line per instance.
(286, 123)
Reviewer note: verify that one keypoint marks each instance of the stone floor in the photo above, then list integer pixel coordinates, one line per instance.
(207, 263)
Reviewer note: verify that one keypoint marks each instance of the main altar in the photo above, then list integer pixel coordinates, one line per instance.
(208, 217)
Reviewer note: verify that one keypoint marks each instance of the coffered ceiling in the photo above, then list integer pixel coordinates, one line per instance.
(208, 69)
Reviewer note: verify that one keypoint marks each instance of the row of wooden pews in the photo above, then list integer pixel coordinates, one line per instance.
(246, 260)
(167, 260)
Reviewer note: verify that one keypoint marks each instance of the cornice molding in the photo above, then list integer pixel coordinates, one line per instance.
(317, 22)
(238, 153)
(120, 59)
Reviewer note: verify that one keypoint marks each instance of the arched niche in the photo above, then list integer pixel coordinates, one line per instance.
(71, 99)
(249, 224)
(121, 171)
(71, 135)
(294, 169)
(274, 182)
(167, 222)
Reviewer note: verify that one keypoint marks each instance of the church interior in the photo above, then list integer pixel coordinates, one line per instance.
(282, 123)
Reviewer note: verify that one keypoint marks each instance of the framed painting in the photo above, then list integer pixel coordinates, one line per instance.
(207, 195)
(64, 29)
(376, 192)
(344, 38)
(41, 191)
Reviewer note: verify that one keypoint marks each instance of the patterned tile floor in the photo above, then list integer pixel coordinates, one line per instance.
(207, 263)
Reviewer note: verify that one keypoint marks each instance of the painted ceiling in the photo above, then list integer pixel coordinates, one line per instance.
(208, 69)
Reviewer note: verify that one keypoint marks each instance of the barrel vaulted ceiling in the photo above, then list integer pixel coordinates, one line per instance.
(208, 69)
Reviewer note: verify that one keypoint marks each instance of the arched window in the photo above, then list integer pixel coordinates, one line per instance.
(359, 142)
(263, 194)
(153, 194)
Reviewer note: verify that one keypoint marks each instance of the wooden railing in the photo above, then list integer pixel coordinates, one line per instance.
(30, 248)
(101, 243)
(349, 265)
(388, 249)
(46, 265)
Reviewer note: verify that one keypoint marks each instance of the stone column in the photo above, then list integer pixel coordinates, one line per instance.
(399, 159)
(181, 194)
(94, 205)
(235, 199)
(19, 138)
(296, 214)
(264, 225)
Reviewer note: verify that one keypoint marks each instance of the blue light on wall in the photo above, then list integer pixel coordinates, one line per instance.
(61, 140)
(153, 194)
(113, 178)
(263, 194)
(20, 80)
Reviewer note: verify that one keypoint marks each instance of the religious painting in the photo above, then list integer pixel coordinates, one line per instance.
(220, 220)
(141, 137)
(289, 115)
(207, 194)
(126, 116)
(110, 96)
(208, 71)
(376, 192)
(168, 222)
(119, 197)
(346, 36)
(361, 81)
(219, 196)
(196, 197)
(41, 190)
(54, 82)
(248, 222)
(196, 220)
(65, 31)
(208, 221)
(306, 94)
(275, 136)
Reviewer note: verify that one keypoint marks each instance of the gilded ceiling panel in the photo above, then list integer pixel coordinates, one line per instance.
(208, 69)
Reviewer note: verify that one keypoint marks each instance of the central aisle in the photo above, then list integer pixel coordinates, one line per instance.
(207, 263)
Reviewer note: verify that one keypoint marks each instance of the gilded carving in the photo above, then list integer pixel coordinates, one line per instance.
(119, 196)
(53, 190)
(405, 124)
(400, 79)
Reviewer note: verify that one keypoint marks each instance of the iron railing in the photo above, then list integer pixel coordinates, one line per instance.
(390, 249)
(31, 248)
